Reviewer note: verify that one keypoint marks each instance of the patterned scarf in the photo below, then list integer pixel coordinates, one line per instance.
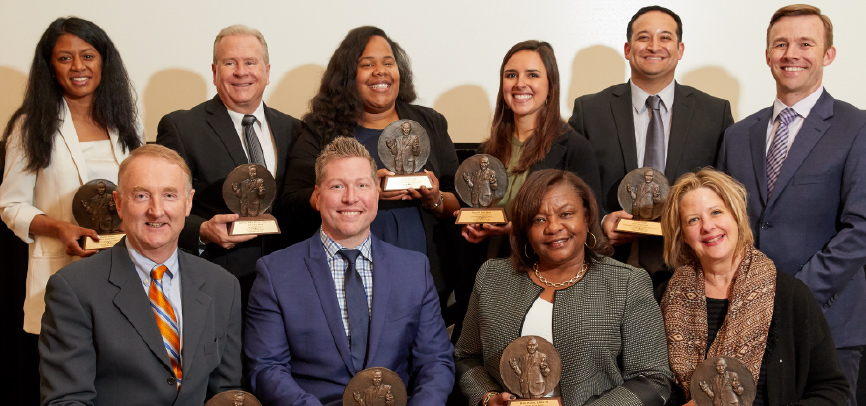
(743, 335)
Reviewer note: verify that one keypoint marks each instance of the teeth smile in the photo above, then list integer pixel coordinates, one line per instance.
(380, 86)
(710, 241)
(792, 69)
(523, 96)
(155, 225)
(243, 84)
(350, 213)
(79, 79)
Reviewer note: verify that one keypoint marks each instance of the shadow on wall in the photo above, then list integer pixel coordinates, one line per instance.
(295, 89)
(170, 90)
(715, 81)
(467, 109)
(593, 70)
(12, 85)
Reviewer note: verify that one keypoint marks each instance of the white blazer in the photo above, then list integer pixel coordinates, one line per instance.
(48, 191)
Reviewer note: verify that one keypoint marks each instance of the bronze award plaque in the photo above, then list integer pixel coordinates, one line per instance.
(93, 207)
(249, 191)
(375, 387)
(233, 398)
(530, 367)
(642, 194)
(404, 148)
(481, 182)
(723, 381)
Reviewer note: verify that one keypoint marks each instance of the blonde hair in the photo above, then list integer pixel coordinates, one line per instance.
(339, 148)
(795, 10)
(240, 29)
(732, 193)
(155, 151)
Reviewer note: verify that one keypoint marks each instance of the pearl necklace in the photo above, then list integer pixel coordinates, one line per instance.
(569, 282)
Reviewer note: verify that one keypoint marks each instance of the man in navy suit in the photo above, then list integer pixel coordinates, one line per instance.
(304, 339)
(803, 162)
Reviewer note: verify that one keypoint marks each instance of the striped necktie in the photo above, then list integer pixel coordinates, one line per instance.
(254, 147)
(779, 148)
(166, 320)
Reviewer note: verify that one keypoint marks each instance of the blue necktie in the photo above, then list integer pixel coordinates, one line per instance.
(779, 148)
(356, 306)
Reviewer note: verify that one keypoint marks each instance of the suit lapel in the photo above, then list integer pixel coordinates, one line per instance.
(196, 305)
(681, 120)
(282, 139)
(758, 144)
(810, 133)
(623, 119)
(132, 301)
(70, 139)
(317, 265)
(222, 125)
(381, 296)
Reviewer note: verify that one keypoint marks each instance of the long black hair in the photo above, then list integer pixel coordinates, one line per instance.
(338, 107)
(113, 100)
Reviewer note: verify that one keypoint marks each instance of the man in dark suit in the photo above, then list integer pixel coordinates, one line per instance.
(326, 308)
(803, 162)
(142, 323)
(211, 138)
(617, 122)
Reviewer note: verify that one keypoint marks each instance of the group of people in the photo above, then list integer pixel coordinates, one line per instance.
(761, 261)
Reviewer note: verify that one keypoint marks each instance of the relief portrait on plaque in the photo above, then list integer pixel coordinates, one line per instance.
(722, 381)
(481, 182)
(642, 193)
(249, 191)
(233, 398)
(93, 207)
(531, 368)
(404, 147)
(375, 387)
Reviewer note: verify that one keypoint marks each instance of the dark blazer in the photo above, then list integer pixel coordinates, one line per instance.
(301, 181)
(606, 119)
(813, 226)
(295, 343)
(100, 343)
(206, 139)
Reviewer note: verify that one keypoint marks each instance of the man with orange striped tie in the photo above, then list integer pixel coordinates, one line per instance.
(142, 323)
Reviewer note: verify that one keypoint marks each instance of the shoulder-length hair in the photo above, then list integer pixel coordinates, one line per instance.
(338, 107)
(550, 124)
(113, 100)
(527, 204)
(732, 192)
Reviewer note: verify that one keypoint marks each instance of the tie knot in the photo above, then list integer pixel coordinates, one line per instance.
(248, 119)
(787, 115)
(158, 272)
(653, 102)
(349, 255)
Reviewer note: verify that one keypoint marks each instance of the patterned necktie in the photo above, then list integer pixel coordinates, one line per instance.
(779, 148)
(654, 154)
(254, 148)
(165, 320)
(356, 306)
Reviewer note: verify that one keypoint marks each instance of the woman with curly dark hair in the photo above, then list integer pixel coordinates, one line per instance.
(77, 123)
(367, 86)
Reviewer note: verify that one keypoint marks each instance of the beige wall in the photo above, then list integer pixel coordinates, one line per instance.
(456, 48)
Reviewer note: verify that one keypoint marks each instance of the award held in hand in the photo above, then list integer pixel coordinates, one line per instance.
(531, 368)
(722, 381)
(93, 207)
(375, 387)
(642, 194)
(404, 148)
(481, 182)
(249, 191)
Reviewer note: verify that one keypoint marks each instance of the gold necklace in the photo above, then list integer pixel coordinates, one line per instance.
(569, 282)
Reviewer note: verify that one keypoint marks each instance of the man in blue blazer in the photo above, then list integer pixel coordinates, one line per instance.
(803, 162)
(102, 342)
(304, 340)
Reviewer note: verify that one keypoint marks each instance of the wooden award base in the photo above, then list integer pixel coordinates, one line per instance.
(481, 216)
(552, 401)
(403, 182)
(258, 225)
(105, 241)
(639, 227)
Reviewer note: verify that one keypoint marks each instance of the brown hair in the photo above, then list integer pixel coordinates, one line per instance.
(339, 148)
(155, 151)
(528, 202)
(550, 124)
(732, 192)
(795, 10)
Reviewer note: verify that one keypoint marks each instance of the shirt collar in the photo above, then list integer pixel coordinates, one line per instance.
(639, 96)
(143, 265)
(802, 107)
(259, 113)
(331, 246)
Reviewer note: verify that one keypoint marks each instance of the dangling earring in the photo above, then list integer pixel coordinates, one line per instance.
(525, 246)
(594, 241)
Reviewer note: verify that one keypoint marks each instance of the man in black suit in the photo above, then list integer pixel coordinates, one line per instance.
(616, 121)
(211, 138)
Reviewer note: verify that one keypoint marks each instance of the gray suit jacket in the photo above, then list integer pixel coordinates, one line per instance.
(606, 120)
(100, 344)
